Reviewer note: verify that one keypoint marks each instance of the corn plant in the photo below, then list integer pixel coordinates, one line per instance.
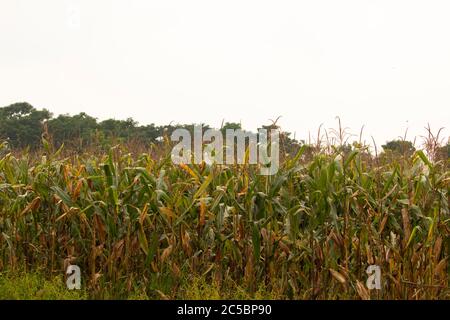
(138, 222)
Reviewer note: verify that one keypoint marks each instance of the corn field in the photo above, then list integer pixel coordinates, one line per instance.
(136, 222)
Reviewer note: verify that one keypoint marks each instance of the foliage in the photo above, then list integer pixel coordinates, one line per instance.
(24, 126)
(400, 147)
(21, 124)
(34, 286)
(135, 223)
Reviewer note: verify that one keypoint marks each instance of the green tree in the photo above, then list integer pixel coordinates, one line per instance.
(22, 125)
(444, 152)
(399, 147)
(231, 125)
(77, 130)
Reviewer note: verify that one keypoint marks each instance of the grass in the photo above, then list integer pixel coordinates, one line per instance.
(143, 228)
(34, 286)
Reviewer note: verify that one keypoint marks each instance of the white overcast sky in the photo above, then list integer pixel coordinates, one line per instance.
(384, 64)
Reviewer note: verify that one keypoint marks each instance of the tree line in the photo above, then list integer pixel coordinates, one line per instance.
(23, 126)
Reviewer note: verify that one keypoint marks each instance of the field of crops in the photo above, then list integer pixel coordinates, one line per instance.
(139, 226)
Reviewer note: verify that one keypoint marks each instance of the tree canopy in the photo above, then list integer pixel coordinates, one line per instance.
(21, 125)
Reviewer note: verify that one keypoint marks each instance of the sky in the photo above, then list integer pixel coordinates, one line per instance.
(381, 64)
